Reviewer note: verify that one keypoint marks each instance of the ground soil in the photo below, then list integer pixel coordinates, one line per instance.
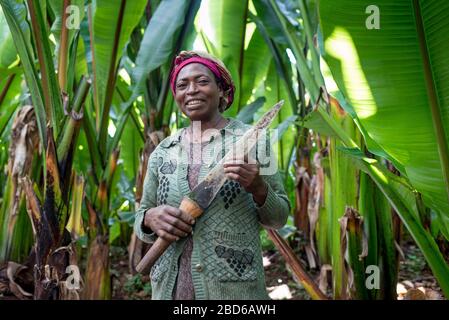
(415, 279)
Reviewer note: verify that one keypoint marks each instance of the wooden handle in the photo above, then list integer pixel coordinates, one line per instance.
(160, 245)
(191, 207)
(155, 251)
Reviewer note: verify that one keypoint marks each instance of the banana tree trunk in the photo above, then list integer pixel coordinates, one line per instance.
(344, 190)
(24, 143)
(48, 221)
(98, 278)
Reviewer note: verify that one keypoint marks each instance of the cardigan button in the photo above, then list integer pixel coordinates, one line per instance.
(199, 267)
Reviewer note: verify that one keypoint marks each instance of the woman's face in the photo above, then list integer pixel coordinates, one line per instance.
(197, 92)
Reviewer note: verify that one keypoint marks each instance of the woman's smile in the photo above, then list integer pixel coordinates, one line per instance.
(194, 104)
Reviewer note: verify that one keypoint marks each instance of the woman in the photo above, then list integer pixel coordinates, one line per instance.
(218, 256)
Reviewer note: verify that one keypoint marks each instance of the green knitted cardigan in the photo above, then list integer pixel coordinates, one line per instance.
(226, 261)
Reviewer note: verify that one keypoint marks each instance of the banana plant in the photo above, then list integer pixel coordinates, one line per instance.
(399, 104)
(282, 31)
(50, 212)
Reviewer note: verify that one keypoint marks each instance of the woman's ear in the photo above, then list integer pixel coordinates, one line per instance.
(220, 90)
(221, 103)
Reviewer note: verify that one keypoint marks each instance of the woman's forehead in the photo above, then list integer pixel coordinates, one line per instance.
(194, 70)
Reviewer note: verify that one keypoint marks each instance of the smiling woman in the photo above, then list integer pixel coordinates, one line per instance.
(198, 93)
(222, 258)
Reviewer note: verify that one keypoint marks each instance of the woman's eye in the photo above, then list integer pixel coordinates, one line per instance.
(180, 85)
(203, 82)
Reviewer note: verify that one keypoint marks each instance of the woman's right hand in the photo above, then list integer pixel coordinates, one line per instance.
(168, 222)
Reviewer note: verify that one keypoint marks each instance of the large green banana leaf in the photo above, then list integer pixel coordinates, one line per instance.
(397, 80)
(10, 78)
(15, 13)
(132, 139)
(255, 66)
(170, 17)
(113, 22)
(8, 53)
(11, 100)
(223, 24)
(275, 90)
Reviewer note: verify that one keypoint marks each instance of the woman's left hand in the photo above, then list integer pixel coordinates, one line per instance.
(247, 173)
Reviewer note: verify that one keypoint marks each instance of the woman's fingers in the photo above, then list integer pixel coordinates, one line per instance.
(177, 222)
(244, 182)
(171, 223)
(239, 159)
(171, 229)
(181, 228)
(178, 213)
(234, 176)
(234, 162)
(237, 170)
(166, 236)
(246, 171)
(252, 166)
(247, 174)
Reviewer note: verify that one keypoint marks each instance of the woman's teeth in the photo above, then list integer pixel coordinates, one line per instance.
(193, 102)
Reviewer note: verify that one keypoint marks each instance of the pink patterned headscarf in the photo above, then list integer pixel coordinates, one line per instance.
(220, 72)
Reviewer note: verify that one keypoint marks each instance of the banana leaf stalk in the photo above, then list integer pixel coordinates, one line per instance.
(355, 243)
(303, 170)
(63, 48)
(323, 233)
(67, 146)
(344, 192)
(75, 223)
(371, 201)
(385, 232)
(98, 282)
(6, 87)
(298, 270)
(308, 30)
(50, 88)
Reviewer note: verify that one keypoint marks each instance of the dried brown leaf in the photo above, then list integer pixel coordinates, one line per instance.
(12, 270)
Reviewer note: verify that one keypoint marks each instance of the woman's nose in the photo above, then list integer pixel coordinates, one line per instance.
(192, 88)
